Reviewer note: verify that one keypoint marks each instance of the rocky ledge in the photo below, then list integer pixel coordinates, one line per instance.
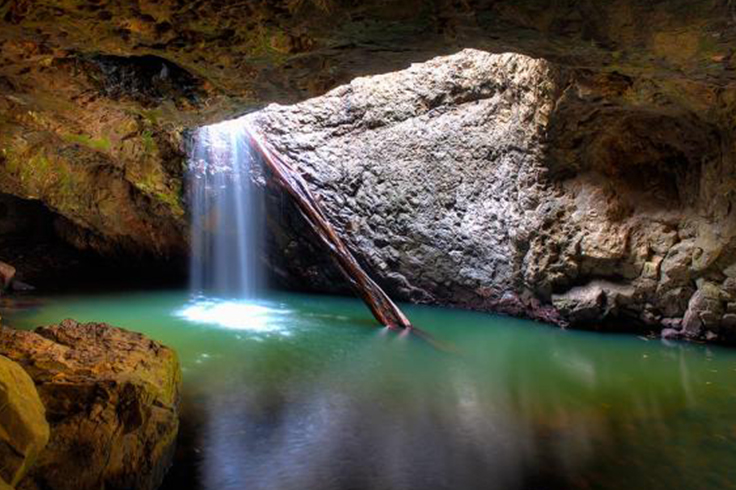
(111, 400)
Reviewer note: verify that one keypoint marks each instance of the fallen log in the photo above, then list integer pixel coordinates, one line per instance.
(382, 307)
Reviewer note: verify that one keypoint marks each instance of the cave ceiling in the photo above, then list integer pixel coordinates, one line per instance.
(96, 96)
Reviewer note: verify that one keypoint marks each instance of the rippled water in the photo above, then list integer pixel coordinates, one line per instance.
(303, 392)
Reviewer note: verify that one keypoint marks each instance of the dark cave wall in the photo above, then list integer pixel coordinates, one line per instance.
(19, 218)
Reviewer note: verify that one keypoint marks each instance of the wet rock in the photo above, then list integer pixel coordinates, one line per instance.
(671, 334)
(581, 304)
(703, 311)
(729, 321)
(24, 431)
(111, 398)
(672, 323)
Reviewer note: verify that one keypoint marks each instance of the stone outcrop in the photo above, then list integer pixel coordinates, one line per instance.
(111, 398)
(24, 431)
(506, 183)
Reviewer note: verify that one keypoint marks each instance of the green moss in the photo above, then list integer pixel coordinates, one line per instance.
(172, 201)
(266, 43)
(99, 144)
(152, 184)
(151, 116)
(149, 144)
(12, 163)
(37, 170)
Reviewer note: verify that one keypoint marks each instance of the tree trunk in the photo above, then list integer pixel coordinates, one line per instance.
(383, 309)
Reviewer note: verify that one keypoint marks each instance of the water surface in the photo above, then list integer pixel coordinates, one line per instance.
(304, 392)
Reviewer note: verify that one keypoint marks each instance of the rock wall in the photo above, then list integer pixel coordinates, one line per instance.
(505, 183)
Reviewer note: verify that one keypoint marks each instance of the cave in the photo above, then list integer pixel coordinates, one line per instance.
(338, 245)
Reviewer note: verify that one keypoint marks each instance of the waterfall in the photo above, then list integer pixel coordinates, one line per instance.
(225, 213)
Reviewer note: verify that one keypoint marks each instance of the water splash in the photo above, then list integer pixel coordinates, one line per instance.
(225, 213)
(247, 315)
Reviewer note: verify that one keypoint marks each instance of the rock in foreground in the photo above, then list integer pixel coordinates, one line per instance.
(111, 398)
(24, 431)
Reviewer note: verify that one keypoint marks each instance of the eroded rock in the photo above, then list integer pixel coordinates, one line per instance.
(529, 190)
(111, 397)
(583, 304)
(506, 183)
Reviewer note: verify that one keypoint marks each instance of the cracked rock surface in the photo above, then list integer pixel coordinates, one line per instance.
(461, 181)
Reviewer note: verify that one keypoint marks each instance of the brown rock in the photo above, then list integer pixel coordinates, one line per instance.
(675, 267)
(24, 431)
(111, 397)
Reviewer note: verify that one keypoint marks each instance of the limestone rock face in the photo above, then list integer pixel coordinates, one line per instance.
(505, 183)
(24, 431)
(429, 171)
(111, 398)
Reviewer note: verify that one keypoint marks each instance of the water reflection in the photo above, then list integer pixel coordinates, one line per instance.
(400, 416)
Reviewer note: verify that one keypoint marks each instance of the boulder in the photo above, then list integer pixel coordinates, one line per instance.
(111, 398)
(581, 304)
(24, 431)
